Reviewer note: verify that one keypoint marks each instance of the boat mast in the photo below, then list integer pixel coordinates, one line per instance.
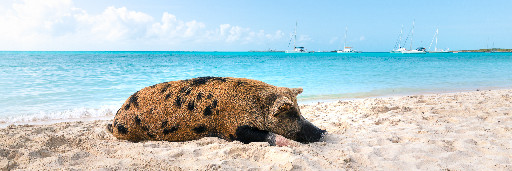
(437, 32)
(412, 34)
(434, 38)
(345, 44)
(401, 33)
(295, 36)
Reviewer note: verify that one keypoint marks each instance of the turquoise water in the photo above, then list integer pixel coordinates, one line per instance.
(37, 86)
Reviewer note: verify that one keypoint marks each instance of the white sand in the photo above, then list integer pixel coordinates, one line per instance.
(456, 131)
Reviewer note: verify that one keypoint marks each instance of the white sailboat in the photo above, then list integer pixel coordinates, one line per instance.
(435, 47)
(296, 49)
(399, 48)
(347, 49)
(417, 50)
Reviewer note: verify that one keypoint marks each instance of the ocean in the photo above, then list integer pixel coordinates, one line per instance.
(56, 86)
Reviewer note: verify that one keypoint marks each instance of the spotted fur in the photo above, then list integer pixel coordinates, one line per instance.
(229, 108)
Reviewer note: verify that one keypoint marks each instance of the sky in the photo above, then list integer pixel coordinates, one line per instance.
(242, 25)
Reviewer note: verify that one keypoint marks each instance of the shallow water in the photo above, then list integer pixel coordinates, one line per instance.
(38, 86)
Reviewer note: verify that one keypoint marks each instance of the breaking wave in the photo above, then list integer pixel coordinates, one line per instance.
(77, 114)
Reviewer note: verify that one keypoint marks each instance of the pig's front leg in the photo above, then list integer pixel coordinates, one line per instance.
(247, 134)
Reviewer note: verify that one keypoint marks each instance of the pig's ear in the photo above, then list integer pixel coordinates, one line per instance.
(296, 91)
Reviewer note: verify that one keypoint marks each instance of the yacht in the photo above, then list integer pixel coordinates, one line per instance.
(296, 49)
(435, 46)
(398, 45)
(440, 51)
(347, 49)
(417, 50)
(400, 49)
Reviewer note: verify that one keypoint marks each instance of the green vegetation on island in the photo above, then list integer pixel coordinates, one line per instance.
(488, 50)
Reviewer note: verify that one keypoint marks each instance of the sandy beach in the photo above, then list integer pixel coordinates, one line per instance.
(452, 131)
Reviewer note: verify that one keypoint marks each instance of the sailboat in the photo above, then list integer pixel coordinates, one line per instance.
(435, 47)
(419, 49)
(296, 49)
(347, 49)
(399, 48)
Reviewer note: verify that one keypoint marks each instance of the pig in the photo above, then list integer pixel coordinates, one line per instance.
(234, 109)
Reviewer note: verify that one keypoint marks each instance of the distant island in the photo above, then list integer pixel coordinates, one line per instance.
(455, 51)
(270, 50)
(487, 50)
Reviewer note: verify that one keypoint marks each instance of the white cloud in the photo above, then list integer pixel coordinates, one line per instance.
(362, 38)
(171, 28)
(304, 38)
(193, 27)
(231, 34)
(276, 36)
(263, 37)
(59, 25)
(114, 24)
(334, 40)
(235, 33)
(224, 28)
(29, 22)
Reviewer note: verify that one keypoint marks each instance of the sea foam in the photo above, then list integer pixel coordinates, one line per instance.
(77, 114)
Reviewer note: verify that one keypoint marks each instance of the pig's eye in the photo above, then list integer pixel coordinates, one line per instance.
(285, 107)
(287, 111)
(293, 114)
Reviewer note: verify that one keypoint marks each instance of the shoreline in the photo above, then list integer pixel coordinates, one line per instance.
(426, 92)
(110, 110)
(451, 131)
